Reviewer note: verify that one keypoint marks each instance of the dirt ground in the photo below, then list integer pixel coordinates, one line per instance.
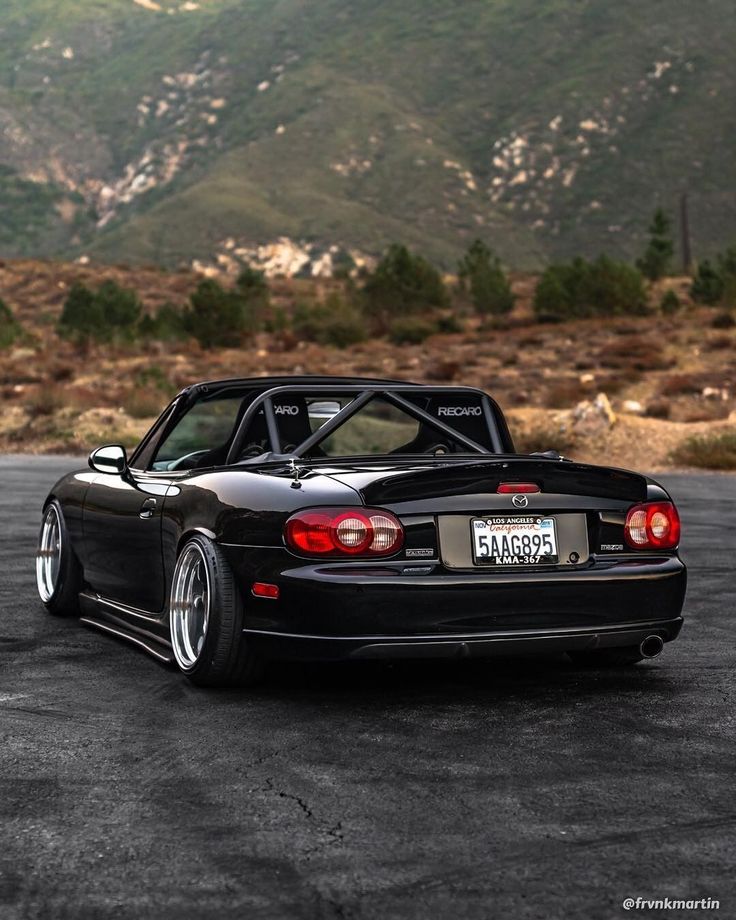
(623, 391)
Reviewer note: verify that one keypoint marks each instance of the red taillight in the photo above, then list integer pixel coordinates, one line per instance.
(653, 525)
(262, 589)
(510, 488)
(344, 532)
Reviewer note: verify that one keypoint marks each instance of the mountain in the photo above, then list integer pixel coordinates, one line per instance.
(173, 130)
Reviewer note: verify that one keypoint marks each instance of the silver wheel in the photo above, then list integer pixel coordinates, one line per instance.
(189, 611)
(48, 555)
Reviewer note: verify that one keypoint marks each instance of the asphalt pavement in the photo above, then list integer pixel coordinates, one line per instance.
(514, 789)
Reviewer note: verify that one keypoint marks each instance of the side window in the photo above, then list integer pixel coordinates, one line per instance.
(205, 430)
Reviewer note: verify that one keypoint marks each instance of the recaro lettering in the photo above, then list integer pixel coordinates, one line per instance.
(459, 410)
(286, 410)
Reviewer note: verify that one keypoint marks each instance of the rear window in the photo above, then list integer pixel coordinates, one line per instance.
(378, 428)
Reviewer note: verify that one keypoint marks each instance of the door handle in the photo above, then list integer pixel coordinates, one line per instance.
(147, 508)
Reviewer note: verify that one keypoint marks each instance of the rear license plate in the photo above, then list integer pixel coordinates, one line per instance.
(506, 540)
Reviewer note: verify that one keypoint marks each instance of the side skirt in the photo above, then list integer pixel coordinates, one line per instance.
(142, 629)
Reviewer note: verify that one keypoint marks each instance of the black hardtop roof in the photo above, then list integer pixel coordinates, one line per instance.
(267, 383)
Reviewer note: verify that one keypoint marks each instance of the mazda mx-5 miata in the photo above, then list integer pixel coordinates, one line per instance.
(332, 518)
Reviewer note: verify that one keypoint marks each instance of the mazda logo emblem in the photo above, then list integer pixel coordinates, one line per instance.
(519, 501)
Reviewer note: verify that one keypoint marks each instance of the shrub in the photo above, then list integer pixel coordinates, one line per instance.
(410, 330)
(723, 321)
(681, 385)
(584, 289)
(670, 302)
(657, 258)
(707, 286)
(153, 377)
(334, 322)
(402, 283)
(448, 323)
(481, 275)
(727, 270)
(9, 326)
(218, 318)
(254, 288)
(121, 307)
(712, 452)
(343, 265)
(165, 325)
(634, 353)
(108, 313)
(659, 408)
(81, 315)
(721, 342)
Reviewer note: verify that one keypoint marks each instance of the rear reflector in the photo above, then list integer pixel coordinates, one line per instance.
(344, 532)
(261, 589)
(652, 525)
(511, 488)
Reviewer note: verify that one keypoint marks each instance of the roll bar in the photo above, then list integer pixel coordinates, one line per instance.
(393, 393)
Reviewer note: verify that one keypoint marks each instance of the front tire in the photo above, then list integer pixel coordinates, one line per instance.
(206, 619)
(622, 657)
(58, 572)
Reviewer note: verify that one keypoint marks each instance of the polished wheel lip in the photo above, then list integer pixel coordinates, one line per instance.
(48, 554)
(189, 606)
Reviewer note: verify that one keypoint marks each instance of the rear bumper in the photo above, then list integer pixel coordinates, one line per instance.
(398, 610)
(522, 642)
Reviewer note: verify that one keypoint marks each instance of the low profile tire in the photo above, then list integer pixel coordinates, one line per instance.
(206, 620)
(607, 657)
(58, 573)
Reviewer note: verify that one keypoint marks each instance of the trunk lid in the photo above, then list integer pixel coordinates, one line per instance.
(389, 484)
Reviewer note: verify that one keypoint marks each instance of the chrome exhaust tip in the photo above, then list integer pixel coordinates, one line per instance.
(651, 646)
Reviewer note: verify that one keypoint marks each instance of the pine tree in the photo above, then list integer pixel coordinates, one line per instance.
(481, 274)
(402, 283)
(657, 258)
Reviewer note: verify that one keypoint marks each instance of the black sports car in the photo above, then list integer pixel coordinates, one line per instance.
(329, 518)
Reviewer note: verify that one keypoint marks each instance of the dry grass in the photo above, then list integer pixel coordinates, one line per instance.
(45, 402)
(567, 393)
(543, 438)
(720, 343)
(143, 402)
(640, 353)
(711, 452)
(659, 408)
(444, 371)
(692, 384)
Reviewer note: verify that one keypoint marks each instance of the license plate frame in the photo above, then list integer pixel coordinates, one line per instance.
(535, 532)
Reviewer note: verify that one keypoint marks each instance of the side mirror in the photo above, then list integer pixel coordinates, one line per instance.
(110, 459)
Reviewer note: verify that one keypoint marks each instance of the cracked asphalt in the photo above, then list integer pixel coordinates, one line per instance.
(519, 789)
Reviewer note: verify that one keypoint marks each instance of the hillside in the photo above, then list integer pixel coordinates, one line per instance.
(659, 389)
(174, 130)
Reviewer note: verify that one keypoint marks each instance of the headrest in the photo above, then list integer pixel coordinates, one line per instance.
(292, 418)
(463, 412)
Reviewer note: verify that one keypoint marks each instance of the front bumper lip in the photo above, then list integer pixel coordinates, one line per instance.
(508, 642)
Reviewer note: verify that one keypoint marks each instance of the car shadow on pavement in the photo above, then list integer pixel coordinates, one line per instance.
(490, 680)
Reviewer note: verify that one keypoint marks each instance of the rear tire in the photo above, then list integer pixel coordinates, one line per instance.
(58, 572)
(206, 620)
(607, 657)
